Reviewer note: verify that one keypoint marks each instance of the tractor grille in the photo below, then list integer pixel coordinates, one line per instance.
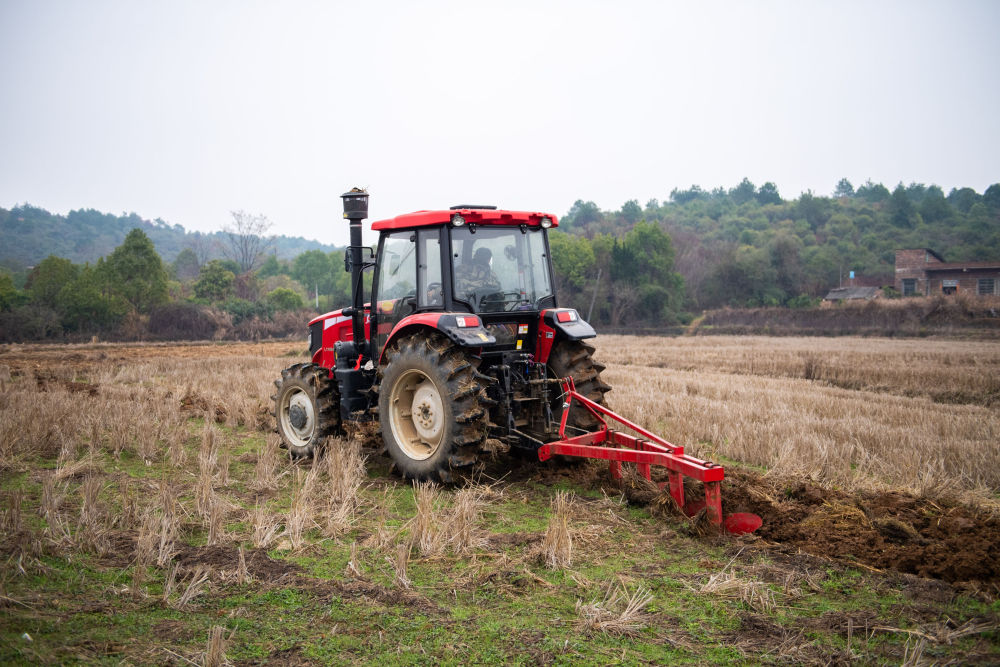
(315, 337)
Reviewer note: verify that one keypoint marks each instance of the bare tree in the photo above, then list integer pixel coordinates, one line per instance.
(202, 246)
(623, 304)
(246, 238)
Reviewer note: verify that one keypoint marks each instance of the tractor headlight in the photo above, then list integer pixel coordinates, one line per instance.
(457, 220)
(546, 223)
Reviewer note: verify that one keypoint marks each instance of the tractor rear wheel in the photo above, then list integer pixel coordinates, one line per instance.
(573, 358)
(431, 408)
(306, 408)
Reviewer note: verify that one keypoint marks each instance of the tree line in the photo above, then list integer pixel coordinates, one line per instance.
(133, 294)
(745, 246)
(651, 265)
(29, 234)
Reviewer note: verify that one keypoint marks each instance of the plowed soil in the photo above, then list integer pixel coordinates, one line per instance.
(938, 539)
(929, 538)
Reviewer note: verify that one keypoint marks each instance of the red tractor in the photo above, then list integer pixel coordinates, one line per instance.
(462, 340)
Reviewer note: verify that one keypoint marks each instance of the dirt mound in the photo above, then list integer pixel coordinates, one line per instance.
(891, 530)
(226, 557)
(46, 381)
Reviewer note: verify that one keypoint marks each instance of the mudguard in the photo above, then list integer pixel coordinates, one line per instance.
(560, 324)
(462, 329)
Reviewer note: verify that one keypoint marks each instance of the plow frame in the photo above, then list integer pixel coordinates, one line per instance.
(644, 451)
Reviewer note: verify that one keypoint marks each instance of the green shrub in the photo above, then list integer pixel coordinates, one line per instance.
(282, 299)
(241, 309)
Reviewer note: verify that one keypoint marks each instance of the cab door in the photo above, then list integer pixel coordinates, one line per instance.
(395, 290)
(408, 279)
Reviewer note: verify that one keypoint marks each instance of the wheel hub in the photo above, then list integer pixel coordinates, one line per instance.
(417, 415)
(297, 416)
(427, 412)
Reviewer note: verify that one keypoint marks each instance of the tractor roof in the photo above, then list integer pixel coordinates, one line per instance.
(476, 216)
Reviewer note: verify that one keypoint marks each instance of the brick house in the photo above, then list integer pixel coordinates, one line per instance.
(923, 272)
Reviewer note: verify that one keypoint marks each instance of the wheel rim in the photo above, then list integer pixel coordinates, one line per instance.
(298, 418)
(416, 415)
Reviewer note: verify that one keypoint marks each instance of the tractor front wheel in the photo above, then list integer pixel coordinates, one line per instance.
(306, 408)
(431, 408)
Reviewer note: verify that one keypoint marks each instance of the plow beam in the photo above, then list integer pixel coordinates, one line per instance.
(645, 450)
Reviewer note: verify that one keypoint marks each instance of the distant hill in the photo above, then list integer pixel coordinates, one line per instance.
(29, 234)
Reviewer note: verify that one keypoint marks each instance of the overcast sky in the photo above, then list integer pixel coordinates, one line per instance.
(187, 110)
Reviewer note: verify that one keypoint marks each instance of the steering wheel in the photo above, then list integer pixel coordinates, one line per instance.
(404, 306)
(493, 301)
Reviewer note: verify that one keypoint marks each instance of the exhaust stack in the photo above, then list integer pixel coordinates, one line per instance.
(356, 210)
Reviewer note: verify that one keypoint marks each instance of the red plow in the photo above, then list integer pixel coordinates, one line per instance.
(645, 451)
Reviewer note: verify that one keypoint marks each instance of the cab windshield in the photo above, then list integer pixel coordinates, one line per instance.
(500, 269)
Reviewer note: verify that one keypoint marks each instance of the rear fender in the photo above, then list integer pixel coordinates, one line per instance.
(551, 330)
(455, 326)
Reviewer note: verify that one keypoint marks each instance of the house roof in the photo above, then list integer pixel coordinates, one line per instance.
(959, 266)
(845, 293)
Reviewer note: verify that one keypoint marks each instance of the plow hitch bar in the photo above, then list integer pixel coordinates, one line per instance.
(646, 450)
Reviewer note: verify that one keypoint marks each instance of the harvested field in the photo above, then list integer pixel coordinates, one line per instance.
(857, 413)
(146, 515)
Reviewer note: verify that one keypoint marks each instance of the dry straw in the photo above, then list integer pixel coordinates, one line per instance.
(207, 460)
(128, 514)
(300, 512)
(195, 586)
(425, 530)
(265, 526)
(222, 473)
(176, 454)
(10, 514)
(169, 584)
(265, 473)
(353, 568)
(52, 498)
(242, 573)
(460, 529)
(169, 524)
(557, 548)
(399, 566)
(147, 541)
(215, 654)
(345, 471)
(756, 595)
(886, 414)
(619, 613)
(216, 520)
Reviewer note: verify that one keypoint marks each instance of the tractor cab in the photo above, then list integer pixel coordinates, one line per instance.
(467, 260)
